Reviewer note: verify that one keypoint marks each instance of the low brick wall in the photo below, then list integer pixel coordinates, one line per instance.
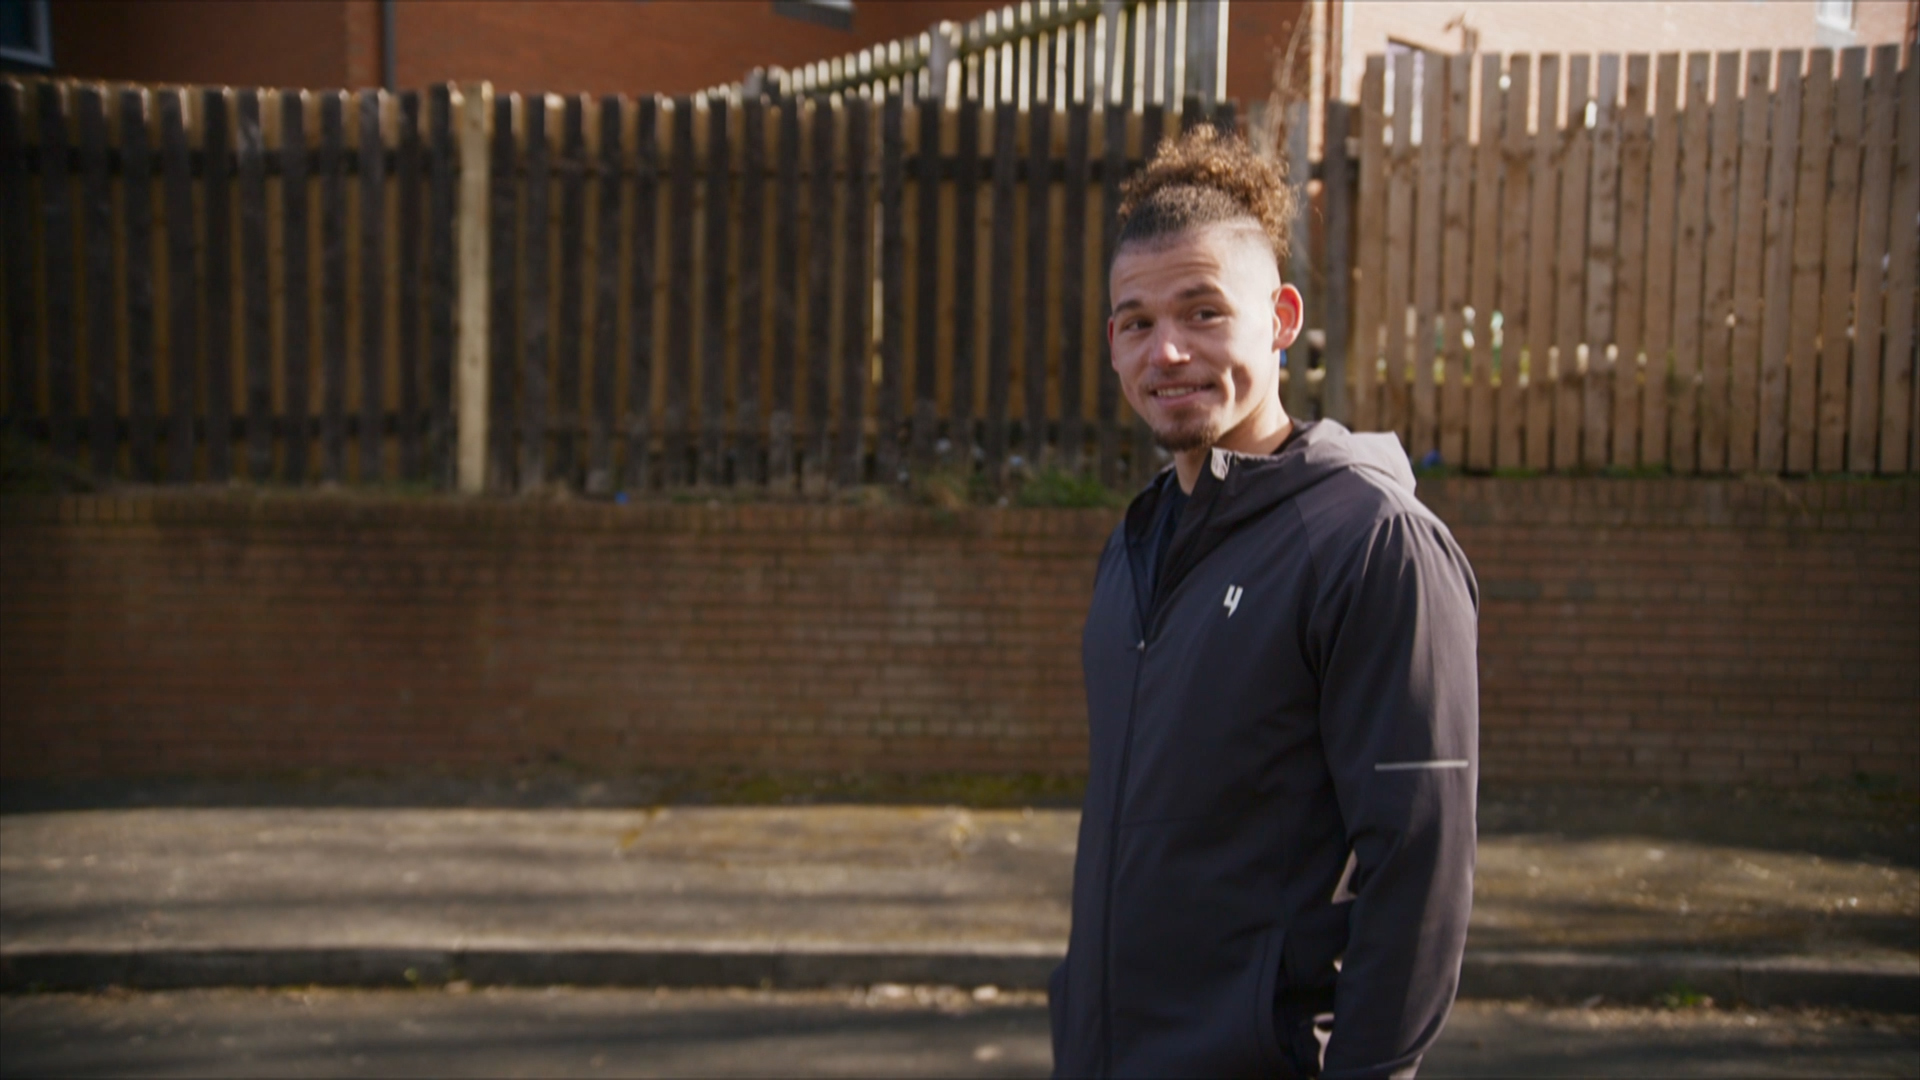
(1631, 630)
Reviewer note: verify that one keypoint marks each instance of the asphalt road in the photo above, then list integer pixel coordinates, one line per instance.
(880, 1031)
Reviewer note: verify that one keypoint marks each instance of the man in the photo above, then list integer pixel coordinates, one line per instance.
(1276, 853)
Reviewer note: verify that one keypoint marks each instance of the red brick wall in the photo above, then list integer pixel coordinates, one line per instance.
(559, 46)
(233, 42)
(1631, 630)
(563, 46)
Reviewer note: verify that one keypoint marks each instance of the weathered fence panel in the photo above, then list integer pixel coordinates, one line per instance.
(1697, 264)
(1706, 266)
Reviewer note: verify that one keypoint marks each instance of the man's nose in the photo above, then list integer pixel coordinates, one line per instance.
(1167, 349)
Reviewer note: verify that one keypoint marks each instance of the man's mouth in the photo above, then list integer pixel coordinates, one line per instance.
(1175, 393)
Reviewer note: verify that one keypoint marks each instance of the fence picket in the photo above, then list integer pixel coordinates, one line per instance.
(749, 435)
(1875, 193)
(1843, 205)
(713, 294)
(503, 227)
(412, 271)
(56, 251)
(1073, 284)
(136, 185)
(569, 311)
(295, 322)
(1900, 390)
(1000, 318)
(441, 286)
(1106, 402)
(1429, 216)
(1516, 150)
(1369, 307)
(888, 446)
(536, 293)
(256, 339)
(333, 283)
(641, 356)
(1570, 319)
(219, 368)
(1337, 184)
(1749, 261)
(786, 302)
(183, 293)
(1722, 228)
(928, 265)
(679, 359)
(820, 208)
(1810, 216)
(966, 219)
(1603, 225)
(373, 291)
(1689, 269)
(1662, 254)
(1543, 259)
(1631, 310)
(96, 256)
(856, 294)
(1400, 240)
(606, 295)
(1772, 435)
(1039, 230)
(1486, 267)
(23, 339)
(1454, 278)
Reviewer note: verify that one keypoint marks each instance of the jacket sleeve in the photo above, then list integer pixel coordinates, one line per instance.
(1399, 718)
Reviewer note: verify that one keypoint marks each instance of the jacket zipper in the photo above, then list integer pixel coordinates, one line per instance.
(1113, 859)
(1147, 621)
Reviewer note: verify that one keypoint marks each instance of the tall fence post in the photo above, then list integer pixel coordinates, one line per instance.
(471, 396)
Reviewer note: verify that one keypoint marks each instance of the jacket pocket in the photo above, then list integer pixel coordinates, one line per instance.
(1266, 1037)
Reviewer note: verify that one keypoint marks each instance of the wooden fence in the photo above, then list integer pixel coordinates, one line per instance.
(1707, 269)
(1110, 50)
(203, 285)
(677, 291)
(796, 293)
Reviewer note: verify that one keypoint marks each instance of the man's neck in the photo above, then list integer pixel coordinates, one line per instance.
(1188, 463)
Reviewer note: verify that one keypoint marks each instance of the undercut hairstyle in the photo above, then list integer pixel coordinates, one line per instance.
(1205, 178)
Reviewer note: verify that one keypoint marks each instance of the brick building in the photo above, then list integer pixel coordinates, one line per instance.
(561, 46)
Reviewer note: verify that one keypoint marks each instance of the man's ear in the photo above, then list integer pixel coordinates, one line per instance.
(1288, 315)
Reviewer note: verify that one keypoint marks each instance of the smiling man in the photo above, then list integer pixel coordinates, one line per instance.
(1275, 860)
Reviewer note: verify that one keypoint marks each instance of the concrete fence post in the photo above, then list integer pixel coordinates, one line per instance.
(471, 393)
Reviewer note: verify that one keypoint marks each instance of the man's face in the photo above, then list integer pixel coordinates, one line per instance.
(1198, 321)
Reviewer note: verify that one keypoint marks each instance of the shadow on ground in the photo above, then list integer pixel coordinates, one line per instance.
(1850, 819)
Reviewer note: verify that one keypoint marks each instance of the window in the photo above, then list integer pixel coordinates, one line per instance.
(1834, 14)
(26, 36)
(835, 13)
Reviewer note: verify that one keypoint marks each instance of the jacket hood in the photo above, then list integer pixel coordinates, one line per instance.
(1238, 486)
(1235, 488)
(1252, 483)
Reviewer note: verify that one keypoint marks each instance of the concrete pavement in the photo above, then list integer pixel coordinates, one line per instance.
(162, 896)
(889, 1031)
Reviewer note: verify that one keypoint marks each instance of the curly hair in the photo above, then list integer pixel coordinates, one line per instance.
(1202, 178)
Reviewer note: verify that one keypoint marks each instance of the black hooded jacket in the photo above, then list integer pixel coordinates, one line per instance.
(1279, 820)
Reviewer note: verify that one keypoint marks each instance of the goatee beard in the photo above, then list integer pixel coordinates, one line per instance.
(1181, 440)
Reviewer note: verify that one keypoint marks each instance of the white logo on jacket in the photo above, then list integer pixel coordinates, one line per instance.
(1232, 603)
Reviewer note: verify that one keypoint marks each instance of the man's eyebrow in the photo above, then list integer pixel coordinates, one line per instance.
(1187, 293)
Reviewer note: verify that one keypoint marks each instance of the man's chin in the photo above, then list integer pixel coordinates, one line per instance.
(1181, 440)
